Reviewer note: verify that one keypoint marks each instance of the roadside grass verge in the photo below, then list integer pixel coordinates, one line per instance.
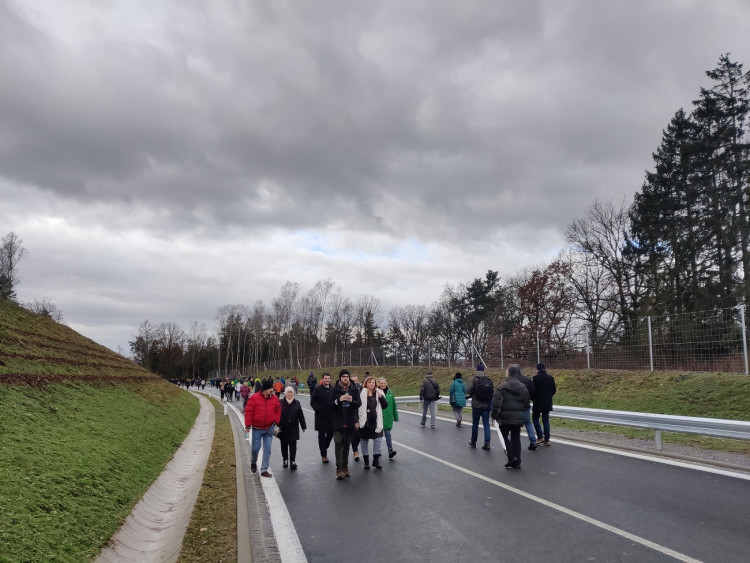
(77, 457)
(212, 532)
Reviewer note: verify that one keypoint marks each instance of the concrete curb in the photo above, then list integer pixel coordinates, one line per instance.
(154, 530)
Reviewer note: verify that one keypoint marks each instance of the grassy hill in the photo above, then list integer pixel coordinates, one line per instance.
(84, 433)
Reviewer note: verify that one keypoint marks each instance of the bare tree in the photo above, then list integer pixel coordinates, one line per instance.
(283, 307)
(11, 253)
(46, 308)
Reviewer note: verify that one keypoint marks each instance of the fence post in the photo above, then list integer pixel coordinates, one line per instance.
(538, 358)
(744, 336)
(502, 359)
(588, 350)
(650, 344)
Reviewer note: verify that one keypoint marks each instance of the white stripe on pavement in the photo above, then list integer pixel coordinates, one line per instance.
(632, 537)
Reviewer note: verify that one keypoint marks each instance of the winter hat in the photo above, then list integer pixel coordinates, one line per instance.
(267, 384)
(480, 367)
(344, 372)
(540, 367)
(429, 373)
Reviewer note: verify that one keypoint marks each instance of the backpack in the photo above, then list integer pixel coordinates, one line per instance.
(484, 390)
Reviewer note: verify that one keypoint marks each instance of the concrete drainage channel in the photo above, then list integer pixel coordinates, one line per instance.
(156, 527)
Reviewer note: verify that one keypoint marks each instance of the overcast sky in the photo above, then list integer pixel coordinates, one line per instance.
(162, 159)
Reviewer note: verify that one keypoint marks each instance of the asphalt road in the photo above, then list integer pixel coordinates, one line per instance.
(439, 500)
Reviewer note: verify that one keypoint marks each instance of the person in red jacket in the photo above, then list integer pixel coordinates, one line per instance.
(262, 414)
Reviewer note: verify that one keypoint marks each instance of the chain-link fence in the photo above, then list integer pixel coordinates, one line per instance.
(702, 341)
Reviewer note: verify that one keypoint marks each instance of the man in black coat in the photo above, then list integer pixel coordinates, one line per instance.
(544, 389)
(312, 381)
(320, 403)
(345, 403)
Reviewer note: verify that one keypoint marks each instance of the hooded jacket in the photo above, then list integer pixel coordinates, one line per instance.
(510, 401)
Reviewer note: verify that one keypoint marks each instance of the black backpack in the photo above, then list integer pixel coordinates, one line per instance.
(484, 390)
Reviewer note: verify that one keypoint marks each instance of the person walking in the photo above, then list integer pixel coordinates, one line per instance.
(345, 414)
(372, 403)
(262, 414)
(544, 390)
(429, 393)
(292, 419)
(245, 393)
(527, 413)
(390, 415)
(278, 387)
(320, 401)
(510, 401)
(312, 381)
(480, 391)
(457, 395)
(358, 390)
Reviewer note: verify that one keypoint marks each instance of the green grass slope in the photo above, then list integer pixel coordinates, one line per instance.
(84, 433)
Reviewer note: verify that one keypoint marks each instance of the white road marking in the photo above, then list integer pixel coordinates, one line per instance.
(632, 537)
(696, 466)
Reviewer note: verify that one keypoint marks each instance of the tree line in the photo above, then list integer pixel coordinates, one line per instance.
(682, 246)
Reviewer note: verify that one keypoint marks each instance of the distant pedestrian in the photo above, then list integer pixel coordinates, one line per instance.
(457, 395)
(480, 391)
(320, 403)
(358, 390)
(344, 410)
(390, 415)
(429, 393)
(527, 413)
(373, 402)
(312, 381)
(544, 390)
(245, 394)
(510, 401)
(262, 414)
(278, 387)
(292, 419)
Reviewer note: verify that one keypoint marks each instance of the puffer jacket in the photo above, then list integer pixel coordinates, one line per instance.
(260, 413)
(509, 403)
(458, 393)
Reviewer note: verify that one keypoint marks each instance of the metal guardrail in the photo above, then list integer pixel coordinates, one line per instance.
(714, 427)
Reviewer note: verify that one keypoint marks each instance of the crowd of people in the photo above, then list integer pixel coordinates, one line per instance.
(358, 416)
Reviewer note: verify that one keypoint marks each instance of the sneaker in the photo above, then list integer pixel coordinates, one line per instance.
(421, 423)
(339, 475)
(486, 447)
(458, 424)
(356, 456)
(546, 443)
(473, 444)
(532, 447)
(285, 464)
(433, 427)
(254, 467)
(293, 466)
(540, 441)
(345, 471)
(265, 474)
(325, 459)
(391, 454)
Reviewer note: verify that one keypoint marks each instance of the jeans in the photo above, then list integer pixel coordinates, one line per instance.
(545, 421)
(529, 426)
(388, 440)
(342, 439)
(484, 414)
(376, 442)
(431, 405)
(324, 440)
(266, 436)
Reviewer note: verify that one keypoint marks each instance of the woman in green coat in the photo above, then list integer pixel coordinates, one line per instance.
(390, 415)
(458, 397)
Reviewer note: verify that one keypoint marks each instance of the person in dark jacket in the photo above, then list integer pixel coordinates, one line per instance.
(527, 414)
(511, 399)
(312, 381)
(480, 406)
(544, 389)
(320, 401)
(292, 418)
(358, 390)
(345, 403)
(429, 393)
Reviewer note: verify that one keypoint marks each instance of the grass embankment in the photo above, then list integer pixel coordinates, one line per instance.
(84, 433)
(212, 532)
(714, 395)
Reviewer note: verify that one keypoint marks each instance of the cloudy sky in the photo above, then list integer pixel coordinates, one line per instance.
(162, 159)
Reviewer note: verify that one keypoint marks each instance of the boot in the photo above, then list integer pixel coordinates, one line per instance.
(376, 461)
(367, 461)
(345, 471)
(339, 473)
(391, 454)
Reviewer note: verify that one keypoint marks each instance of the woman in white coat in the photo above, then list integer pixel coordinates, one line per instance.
(371, 421)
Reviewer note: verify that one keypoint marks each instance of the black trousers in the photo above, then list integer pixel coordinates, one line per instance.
(512, 437)
(342, 439)
(324, 440)
(288, 449)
